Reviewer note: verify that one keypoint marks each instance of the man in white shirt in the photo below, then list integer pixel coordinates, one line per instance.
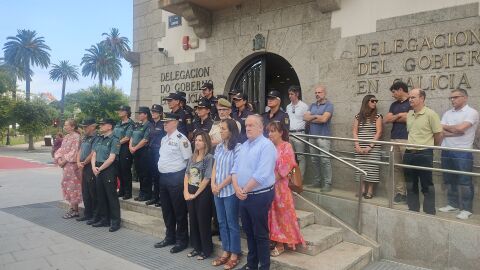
(459, 127)
(295, 110)
(175, 151)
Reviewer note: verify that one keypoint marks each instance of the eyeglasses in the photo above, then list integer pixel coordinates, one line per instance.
(373, 100)
(454, 97)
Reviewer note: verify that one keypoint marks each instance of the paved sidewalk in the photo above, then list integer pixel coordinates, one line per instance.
(24, 245)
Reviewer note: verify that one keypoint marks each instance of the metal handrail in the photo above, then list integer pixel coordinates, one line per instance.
(359, 206)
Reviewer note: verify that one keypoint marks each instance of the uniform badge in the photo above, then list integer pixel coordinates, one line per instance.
(286, 121)
(179, 135)
(185, 144)
(189, 121)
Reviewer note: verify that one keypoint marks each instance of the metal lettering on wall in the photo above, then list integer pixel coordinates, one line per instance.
(438, 61)
(185, 80)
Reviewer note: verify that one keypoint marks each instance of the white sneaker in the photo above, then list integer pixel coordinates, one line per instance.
(447, 209)
(464, 214)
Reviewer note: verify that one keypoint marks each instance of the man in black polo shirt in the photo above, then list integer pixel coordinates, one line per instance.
(275, 113)
(397, 115)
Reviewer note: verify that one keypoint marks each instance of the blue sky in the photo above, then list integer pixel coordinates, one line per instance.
(69, 27)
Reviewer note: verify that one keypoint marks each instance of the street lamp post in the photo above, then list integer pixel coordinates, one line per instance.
(8, 135)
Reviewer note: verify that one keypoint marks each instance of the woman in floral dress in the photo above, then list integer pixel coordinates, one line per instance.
(282, 219)
(66, 157)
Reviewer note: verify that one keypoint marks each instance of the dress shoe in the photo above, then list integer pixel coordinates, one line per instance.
(158, 204)
(127, 197)
(177, 248)
(136, 198)
(164, 243)
(120, 194)
(92, 221)
(150, 202)
(142, 199)
(101, 223)
(114, 228)
(84, 218)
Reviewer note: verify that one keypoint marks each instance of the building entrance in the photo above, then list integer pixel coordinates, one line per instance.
(262, 74)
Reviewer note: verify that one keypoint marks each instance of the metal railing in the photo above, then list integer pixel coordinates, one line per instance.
(391, 163)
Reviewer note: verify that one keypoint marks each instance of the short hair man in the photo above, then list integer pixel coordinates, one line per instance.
(275, 113)
(397, 115)
(295, 110)
(175, 151)
(459, 127)
(253, 179)
(84, 157)
(241, 113)
(319, 115)
(424, 128)
(104, 153)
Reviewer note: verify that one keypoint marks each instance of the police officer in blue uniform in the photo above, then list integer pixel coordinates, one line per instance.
(183, 104)
(154, 140)
(139, 149)
(103, 166)
(275, 113)
(184, 121)
(84, 157)
(207, 93)
(175, 151)
(123, 131)
(241, 113)
(203, 122)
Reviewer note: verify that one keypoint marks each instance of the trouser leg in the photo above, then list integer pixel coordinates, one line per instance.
(247, 225)
(88, 198)
(193, 218)
(142, 168)
(124, 164)
(325, 165)
(180, 212)
(153, 172)
(101, 199)
(167, 211)
(108, 179)
(399, 151)
(203, 210)
(300, 148)
(411, 179)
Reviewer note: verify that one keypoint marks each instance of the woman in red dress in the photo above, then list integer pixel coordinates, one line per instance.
(282, 219)
(66, 158)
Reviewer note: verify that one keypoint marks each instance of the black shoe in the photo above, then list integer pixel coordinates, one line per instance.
(246, 267)
(120, 194)
(150, 202)
(177, 248)
(142, 199)
(84, 218)
(127, 197)
(114, 227)
(92, 221)
(400, 199)
(164, 243)
(158, 204)
(101, 223)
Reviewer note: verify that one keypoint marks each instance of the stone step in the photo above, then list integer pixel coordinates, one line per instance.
(141, 207)
(344, 256)
(319, 238)
(143, 223)
(305, 218)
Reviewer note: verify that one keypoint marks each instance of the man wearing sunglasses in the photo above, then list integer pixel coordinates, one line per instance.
(459, 127)
(295, 110)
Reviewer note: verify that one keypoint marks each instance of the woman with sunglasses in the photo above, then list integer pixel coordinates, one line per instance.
(368, 126)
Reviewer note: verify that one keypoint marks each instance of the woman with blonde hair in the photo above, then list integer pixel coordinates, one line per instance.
(66, 158)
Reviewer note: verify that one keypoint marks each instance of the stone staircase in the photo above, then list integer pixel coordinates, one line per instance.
(325, 247)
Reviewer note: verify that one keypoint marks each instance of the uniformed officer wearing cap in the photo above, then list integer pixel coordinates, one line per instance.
(123, 131)
(207, 93)
(241, 102)
(275, 113)
(183, 104)
(84, 157)
(139, 149)
(203, 122)
(185, 121)
(104, 153)
(232, 93)
(156, 134)
(175, 151)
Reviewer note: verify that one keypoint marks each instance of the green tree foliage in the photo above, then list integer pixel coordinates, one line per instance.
(6, 82)
(6, 107)
(97, 102)
(118, 45)
(33, 117)
(100, 62)
(63, 71)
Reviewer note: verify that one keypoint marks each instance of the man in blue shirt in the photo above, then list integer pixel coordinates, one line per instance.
(319, 116)
(253, 177)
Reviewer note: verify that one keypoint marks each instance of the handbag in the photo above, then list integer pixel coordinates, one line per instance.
(295, 181)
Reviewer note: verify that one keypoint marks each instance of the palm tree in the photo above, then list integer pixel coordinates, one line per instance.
(64, 71)
(118, 45)
(100, 62)
(23, 51)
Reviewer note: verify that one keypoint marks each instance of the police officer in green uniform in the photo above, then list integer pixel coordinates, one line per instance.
(275, 113)
(84, 157)
(123, 131)
(139, 149)
(103, 166)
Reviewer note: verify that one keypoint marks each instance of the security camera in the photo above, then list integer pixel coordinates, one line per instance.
(161, 49)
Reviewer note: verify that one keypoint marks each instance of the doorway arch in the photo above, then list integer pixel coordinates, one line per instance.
(260, 73)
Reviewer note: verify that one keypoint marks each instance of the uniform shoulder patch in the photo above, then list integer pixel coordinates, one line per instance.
(185, 144)
(286, 120)
(179, 135)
